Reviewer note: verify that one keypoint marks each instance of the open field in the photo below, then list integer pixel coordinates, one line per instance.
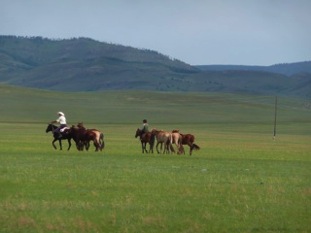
(240, 181)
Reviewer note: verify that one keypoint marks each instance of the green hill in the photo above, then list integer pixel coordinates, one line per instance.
(83, 64)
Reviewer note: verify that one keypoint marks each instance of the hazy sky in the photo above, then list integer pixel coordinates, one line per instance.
(246, 32)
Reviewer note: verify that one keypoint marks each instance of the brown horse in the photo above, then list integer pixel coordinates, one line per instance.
(66, 135)
(99, 136)
(144, 139)
(163, 138)
(188, 139)
(83, 137)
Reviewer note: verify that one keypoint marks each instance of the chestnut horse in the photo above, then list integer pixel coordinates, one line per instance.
(144, 139)
(99, 137)
(83, 137)
(188, 139)
(65, 136)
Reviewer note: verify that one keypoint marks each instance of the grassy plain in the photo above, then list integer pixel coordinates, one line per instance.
(240, 181)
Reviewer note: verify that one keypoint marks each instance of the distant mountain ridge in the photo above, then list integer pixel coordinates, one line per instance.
(285, 68)
(83, 64)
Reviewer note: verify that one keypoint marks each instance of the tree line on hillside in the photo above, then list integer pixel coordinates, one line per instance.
(83, 64)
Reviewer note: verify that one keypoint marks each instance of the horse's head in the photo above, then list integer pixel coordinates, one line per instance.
(80, 125)
(73, 129)
(49, 128)
(138, 133)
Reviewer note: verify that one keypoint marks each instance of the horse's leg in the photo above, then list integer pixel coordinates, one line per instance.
(81, 145)
(96, 145)
(145, 147)
(53, 143)
(191, 148)
(170, 143)
(84, 144)
(142, 147)
(158, 146)
(165, 147)
(151, 147)
(69, 142)
(77, 144)
(60, 144)
(164, 150)
(168, 147)
(182, 149)
(171, 148)
(178, 144)
(151, 142)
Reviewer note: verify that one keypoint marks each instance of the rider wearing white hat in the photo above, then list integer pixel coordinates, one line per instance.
(62, 122)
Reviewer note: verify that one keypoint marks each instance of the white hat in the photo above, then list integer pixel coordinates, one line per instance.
(61, 113)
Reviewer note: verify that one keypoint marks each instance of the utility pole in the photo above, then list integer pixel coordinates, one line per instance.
(275, 111)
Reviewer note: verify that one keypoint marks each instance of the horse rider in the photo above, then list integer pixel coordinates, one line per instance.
(62, 123)
(145, 126)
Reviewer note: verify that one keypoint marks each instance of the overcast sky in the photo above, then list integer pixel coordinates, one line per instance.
(198, 32)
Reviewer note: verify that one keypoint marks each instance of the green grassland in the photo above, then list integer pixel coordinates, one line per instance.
(240, 181)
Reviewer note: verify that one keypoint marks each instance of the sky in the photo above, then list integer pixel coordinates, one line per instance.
(198, 32)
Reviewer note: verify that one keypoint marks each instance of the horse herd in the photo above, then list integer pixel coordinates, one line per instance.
(83, 137)
(167, 140)
(80, 135)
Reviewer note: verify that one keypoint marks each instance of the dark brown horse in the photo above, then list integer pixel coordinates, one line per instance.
(66, 135)
(82, 137)
(144, 139)
(188, 139)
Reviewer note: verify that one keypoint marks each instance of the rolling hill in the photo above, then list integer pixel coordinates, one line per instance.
(83, 64)
(285, 68)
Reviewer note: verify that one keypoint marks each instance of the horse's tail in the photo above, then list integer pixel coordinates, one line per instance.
(101, 140)
(101, 137)
(170, 144)
(195, 147)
